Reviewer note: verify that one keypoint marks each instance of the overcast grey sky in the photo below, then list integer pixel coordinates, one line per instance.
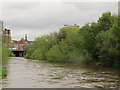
(36, 19)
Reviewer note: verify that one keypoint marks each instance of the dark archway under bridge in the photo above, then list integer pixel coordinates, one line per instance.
(19, 53)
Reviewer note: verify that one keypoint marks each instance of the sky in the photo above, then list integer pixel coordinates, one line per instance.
(38, 18)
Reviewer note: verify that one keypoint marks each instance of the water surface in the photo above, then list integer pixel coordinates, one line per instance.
(25, 73)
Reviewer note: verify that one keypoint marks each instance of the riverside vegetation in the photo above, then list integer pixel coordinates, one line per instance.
(4, 57)
(96, 43)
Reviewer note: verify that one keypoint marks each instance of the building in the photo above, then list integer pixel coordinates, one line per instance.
(19, 45)
(6, 37)
(16, 46)
(74, 25)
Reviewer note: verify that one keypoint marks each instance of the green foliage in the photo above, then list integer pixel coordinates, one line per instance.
(60, 53)
(106, 21)
(4, 52)
(5, 56)
(108, 44)
(93, 44)
(11, 54)
(55, 55)
(3, 73)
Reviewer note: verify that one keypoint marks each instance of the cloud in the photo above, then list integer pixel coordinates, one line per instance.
(36, 19)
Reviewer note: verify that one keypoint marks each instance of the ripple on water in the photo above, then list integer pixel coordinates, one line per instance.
(44, 74)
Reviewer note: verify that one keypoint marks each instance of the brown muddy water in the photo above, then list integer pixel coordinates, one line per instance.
(25, 73)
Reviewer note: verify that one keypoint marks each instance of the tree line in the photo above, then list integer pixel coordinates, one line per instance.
(96, 43)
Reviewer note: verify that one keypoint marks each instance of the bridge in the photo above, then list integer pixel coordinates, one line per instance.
(19, 53)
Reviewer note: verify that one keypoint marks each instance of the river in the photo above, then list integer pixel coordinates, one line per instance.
(25, 73)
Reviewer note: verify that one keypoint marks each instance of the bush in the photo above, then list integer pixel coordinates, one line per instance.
(95, 43)
(3, 73)
(5, 56)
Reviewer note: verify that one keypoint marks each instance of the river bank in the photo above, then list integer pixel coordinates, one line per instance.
(26, 73)
(3, 73)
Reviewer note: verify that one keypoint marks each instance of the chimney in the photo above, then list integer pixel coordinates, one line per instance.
(26, 37)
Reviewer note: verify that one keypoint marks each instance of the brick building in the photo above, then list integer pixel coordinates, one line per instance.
(19, 45)
(6, 36)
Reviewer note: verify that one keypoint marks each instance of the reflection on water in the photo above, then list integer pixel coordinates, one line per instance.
(24, 73)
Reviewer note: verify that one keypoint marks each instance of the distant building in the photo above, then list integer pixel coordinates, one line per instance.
(19, 45)
(6, 37)
(74, 25)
